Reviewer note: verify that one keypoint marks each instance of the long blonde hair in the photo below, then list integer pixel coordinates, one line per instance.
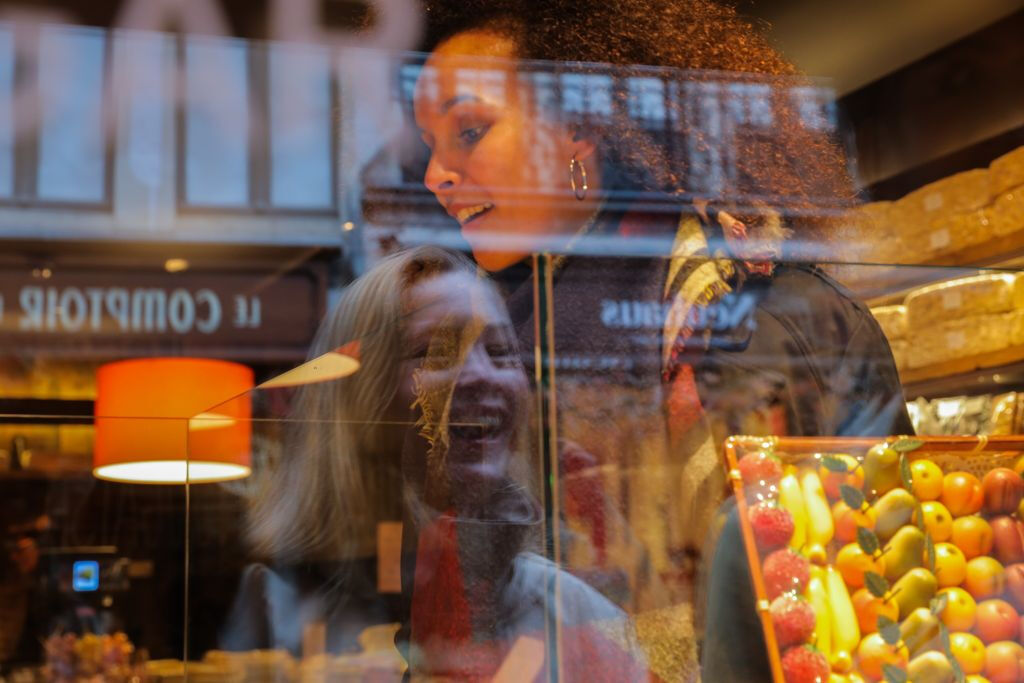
(338, 472)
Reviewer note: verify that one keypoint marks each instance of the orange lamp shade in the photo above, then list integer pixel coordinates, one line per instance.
(172, 421)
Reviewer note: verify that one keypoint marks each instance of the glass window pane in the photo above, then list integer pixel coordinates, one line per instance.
(72, 160)
(300, 127)
(6, 128)
(216, 123)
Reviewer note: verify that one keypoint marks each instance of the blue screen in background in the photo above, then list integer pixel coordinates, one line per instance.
(85, 575)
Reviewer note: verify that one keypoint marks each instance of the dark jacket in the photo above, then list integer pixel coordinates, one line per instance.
(796, 343)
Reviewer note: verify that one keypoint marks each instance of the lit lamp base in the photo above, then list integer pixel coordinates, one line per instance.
(171, 472)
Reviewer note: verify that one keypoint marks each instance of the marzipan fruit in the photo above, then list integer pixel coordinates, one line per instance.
(915, 589)
(904, 552)
(881, 470)
(920, 631)
(893, 510)
(930, 667)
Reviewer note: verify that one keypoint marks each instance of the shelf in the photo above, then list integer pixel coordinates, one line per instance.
(45, 411)
(894, 281)
(996, 371)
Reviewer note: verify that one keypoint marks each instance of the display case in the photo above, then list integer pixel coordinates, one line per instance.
(894, 559)
(324, 363)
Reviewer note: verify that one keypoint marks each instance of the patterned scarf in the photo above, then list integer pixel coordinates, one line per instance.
(698, 278)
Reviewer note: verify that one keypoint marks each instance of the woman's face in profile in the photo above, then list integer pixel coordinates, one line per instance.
(497, 165)
(464, 376)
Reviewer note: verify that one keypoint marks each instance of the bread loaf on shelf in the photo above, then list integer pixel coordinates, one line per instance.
(892, 320)
(959, 193)
(963, 337)
(1006, 213)
(900, 349)
(954, 232)
(865, 232)
(964, 297)
(1006, 172)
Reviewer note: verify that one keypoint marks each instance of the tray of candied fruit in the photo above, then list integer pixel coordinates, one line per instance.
(898, 559)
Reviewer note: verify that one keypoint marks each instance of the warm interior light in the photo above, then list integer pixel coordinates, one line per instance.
(175, 265)
(341, 362)
(155, 421)
(171, 471)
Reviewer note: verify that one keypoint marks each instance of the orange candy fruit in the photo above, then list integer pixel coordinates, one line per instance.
(852, 562)
(868, 608)
(997, 620)
(926, 480)
(973, 535)
(938, 523)
(969, 651)
(960, 611)
(831, 481)
(961, 493)
(1004, 662)
(950, 565)
(847, 521)
(986, 578)
(873, 653)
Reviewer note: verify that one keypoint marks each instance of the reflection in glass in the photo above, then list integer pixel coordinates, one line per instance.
(72, 145)
(433, 432)
(216, 122)
(300, 127)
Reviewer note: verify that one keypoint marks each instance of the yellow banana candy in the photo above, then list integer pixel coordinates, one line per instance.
(817, 597)
(845, 630)
(791, 498)
(820, 527)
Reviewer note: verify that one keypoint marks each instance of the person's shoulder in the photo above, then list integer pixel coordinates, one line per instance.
(579, 603)
(808, 288)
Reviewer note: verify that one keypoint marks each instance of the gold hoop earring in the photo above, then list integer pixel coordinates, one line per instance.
(580, 191)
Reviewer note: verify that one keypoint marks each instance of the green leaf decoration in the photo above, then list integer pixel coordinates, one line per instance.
(876, 585)
(894, 674)
(929, 547)
(890, 633)
(939, 602)
(867, 541)
(905, 476)
(947, 647)
(834, 464)
(851, 496)
(907, 445)
(919, 518)
(958, 672)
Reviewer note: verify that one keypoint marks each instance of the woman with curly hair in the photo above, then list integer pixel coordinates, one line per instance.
(673, 134)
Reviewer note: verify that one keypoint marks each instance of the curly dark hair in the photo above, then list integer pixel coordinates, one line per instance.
(796, 168)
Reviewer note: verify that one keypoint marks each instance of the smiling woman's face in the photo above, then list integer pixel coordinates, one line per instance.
(497, 165)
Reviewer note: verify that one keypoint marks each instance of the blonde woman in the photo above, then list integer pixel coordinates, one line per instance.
(432, 430)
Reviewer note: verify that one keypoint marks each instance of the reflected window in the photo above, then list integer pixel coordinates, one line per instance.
(216, 123)
(300, 128)
(72, 163)
(6, 118)
(258, 126)
(816, 106)
(647, 100)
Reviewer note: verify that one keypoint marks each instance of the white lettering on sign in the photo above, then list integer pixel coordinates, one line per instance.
(247, 312)
(729, 313)
(212, 320)
(31, 301)
(142, 309)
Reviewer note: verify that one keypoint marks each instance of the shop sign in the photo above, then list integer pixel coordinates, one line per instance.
(182, 310)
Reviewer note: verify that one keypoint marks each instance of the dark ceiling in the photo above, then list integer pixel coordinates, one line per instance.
(851, 43)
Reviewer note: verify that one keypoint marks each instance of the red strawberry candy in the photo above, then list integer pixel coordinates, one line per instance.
(793, 619)
(773, 525)
(785, 570)
(759, 467)
(804, 664)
